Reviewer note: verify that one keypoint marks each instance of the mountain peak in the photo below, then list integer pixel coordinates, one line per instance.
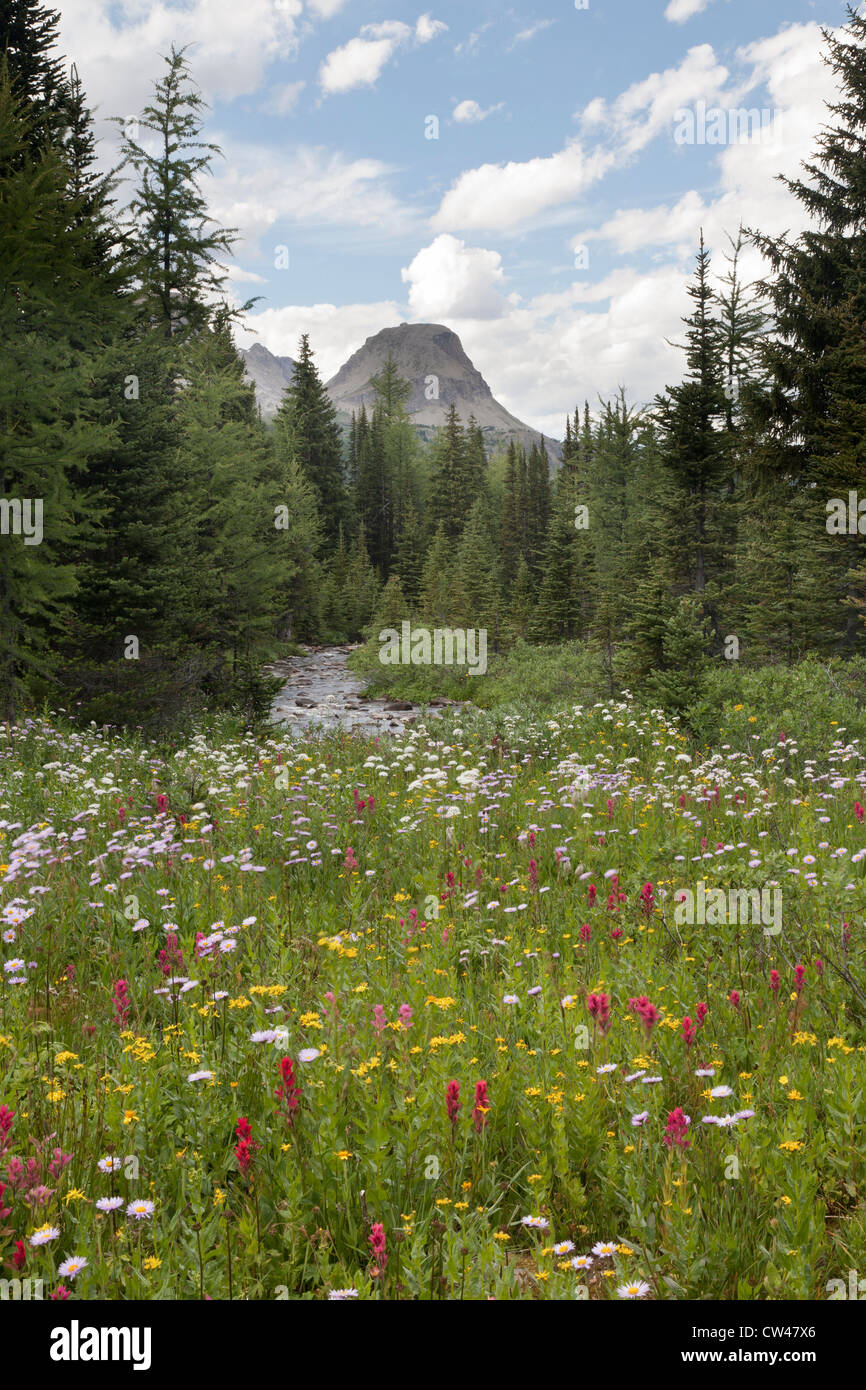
(421, 350)
(269, 374)
(430, 357)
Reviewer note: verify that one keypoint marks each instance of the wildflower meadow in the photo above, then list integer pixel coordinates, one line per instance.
(432, 677)
(422, 1018)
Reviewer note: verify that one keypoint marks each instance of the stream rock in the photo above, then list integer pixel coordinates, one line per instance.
(320, 692)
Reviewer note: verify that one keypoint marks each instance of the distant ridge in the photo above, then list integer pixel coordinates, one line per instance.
(269, 374)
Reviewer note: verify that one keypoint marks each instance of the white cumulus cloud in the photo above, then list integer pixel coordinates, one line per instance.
(360, 62)
(259, 191)
(450, 279)
(118, 48)
(469, 112)
(427, 28)
(503, 195)
(678, 11)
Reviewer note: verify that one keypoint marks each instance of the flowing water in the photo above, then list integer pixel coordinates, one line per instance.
(321, 692)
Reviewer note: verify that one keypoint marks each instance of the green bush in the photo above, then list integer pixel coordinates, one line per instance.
(528, 677)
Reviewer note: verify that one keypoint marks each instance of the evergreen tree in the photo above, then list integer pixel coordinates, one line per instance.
(436, 603)
(333, 616)
(559, 609)
(688, 417)
(474, 484)
(678, 683)
(409, 558)
(743, 323)
(645, 629)
(813, 416)
(306, 429)
(607, 562)
(374, 505)
(174, 258)
(788, 590)
(392, 608)
(392, 390)
(138, 545)
(512, 543)
(537, 506)
(523, 613)
(310, 602)
(447, 504)
(28, 38)
(360, 590)
(399, 486)
(476, 597)
(176, 560)
(236, 585)
(50, 326)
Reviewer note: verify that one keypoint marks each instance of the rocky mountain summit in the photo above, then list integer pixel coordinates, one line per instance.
(428, 355)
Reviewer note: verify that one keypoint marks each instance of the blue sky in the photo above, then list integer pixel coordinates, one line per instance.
(552, 223)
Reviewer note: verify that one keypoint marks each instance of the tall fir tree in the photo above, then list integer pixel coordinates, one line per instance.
(173, 245)
(812, 418)
(51, 312)
(512, 542)
(477, 599)
(436, 602)
(409, 557)
(447, 501)
(28, 38)
(306, 429)
(689, 417)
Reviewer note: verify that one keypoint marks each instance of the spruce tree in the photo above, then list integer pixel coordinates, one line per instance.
(28, 38)
(236, 584)
(51, 310)
(399, 480)
(558, 592)
(537, 506)
(173, 245)
(678, 683)
(512, 542)
(409, 557)
(689, 416)
(436, 604)
(306, 429)
(447, 502)
(312, 599)
(129, 644)
(474, 484)
(522, 617)
(743, 324)
(392, 608)
(477, 597)
(813, 417)
(374, 502)
(361, 589)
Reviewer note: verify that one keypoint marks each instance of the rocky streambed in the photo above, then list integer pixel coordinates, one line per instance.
(321, 692)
